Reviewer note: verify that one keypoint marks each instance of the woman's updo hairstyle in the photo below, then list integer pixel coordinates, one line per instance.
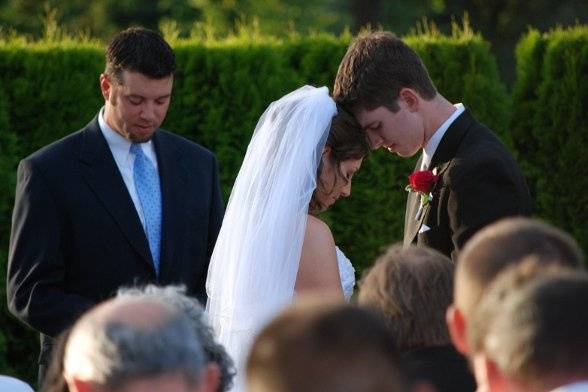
(347, 141)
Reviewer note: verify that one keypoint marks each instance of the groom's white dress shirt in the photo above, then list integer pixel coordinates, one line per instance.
(121, 151)
(434, 141)
(431, 147)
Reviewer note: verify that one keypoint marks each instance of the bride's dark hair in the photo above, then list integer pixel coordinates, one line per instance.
(347, 141)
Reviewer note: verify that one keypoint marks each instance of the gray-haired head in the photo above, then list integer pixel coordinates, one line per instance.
(126, 339)
(176, 296)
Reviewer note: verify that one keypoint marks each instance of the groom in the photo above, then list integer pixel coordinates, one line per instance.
(471, 179)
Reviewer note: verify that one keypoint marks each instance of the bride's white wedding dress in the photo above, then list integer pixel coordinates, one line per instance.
(347, 274)
(255, 261)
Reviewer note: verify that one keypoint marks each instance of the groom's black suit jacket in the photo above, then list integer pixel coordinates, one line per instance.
(479, 182)
(76, 235)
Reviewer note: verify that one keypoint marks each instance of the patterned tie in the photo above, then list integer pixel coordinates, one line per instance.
(147, 186)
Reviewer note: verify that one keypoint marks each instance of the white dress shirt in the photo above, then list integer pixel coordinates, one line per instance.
(434, 141)
(11, 384)
(581, 386)
(121, 151)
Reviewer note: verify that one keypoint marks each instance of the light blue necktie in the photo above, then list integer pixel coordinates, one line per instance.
(147, 186)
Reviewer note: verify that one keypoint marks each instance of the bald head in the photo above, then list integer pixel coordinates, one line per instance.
(141, 313)
(176, 296)
(126, 339)
(502, 244)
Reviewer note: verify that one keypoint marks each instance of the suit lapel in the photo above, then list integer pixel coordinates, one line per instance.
(411, 225)
(441, 160)
(451, 140)
(104, 178)
(173, 179)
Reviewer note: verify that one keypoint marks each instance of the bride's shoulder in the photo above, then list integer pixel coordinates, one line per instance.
(318, 232)
(318, 270)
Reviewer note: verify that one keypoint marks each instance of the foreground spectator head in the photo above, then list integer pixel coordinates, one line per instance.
(135, 345)
(495, 248)
(412, 288)
(530, 330)
(215, 354)
(323, 347)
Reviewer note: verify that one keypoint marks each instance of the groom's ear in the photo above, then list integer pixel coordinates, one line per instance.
(410, 98)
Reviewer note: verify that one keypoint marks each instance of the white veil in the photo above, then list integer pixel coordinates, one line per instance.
(255, 261)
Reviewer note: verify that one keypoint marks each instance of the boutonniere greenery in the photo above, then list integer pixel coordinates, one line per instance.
(422, 182)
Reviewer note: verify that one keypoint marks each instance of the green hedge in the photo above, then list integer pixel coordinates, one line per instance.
(18, 345)
(220, 91)
(550, 124)
(9, 346)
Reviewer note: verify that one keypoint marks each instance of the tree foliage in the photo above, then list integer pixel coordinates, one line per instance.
(550, 124)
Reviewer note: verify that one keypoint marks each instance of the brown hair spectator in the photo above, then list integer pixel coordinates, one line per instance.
(412, 288)
(496, 247)
(530, 330)
(321, 346)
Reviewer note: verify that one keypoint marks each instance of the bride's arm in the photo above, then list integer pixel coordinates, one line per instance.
(318, 271)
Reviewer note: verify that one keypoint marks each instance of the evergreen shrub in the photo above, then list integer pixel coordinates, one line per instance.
(550, 124)
(8, 157)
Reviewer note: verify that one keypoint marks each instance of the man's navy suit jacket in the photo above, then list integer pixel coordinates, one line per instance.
(76, 235)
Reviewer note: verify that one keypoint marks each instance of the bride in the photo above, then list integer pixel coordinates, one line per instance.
(271, 246)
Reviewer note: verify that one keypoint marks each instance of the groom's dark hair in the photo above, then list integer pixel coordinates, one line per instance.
(375, 68)
(138, 49)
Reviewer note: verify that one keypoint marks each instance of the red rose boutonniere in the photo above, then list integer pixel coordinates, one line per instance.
(422, 182)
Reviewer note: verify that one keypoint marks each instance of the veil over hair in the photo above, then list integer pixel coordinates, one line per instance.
(255, 261)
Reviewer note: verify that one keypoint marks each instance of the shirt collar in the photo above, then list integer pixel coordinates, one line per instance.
(574, 387)
(434, 141)
(118, 144)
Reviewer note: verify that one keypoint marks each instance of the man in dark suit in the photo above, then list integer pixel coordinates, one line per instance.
(473, 179)
(118, 203)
